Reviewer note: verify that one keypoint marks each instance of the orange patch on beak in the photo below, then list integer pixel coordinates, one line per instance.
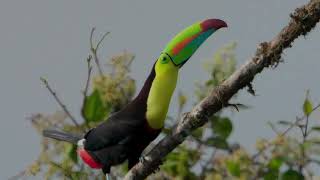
(183, 44)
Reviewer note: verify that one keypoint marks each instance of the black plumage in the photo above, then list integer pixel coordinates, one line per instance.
(123, 136)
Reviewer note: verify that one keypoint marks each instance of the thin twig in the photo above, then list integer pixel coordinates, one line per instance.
(18, 176)
(66, 172)
(85, 92)
(94, 50)
(63, 106)
(298, 120)
(91, 38)
(286, 131)
(205, 166)
(304, 131)
(256, 155)
(305, 135)
(101, 40)
(274, 129)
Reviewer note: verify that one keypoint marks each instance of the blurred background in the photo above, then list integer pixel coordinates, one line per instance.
(51, 39)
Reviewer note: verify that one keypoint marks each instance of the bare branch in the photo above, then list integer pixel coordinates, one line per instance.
(63, 106)
(85, 92)
(101, 40)
(18, 176)
(298, 120)
(94, 50)
(267, 54)
(91, 38)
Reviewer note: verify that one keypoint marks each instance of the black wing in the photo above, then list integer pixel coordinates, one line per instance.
(117, 128)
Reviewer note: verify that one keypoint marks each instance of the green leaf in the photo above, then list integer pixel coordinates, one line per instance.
(275, 163)
(233, 168)
(316, 128)
(93, 109)
(222, 127)
(72, 153)
(124, 167)
(79, 175)
(315, 141)
(218, 142)
(197, 133)
(166, 130)
(292, 175)
(271, 175)
(209, 82)
(307, 107)
(179, 163)
(306, 145)
(182, 99)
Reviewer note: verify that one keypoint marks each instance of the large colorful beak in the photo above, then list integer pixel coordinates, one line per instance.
(184, 44)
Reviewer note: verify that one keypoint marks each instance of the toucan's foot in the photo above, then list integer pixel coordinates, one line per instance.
(106, 169)
(108, 177)
(142, 159)
(156, 170)
(251, 90)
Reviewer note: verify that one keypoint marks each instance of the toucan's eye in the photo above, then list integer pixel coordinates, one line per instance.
(164, 60)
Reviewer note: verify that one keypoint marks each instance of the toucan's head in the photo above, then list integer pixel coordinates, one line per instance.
(183, 45)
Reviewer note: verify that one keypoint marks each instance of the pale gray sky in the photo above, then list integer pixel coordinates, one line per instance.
(50, 38)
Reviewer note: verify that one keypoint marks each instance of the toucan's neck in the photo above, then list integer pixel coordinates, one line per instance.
(153, 100)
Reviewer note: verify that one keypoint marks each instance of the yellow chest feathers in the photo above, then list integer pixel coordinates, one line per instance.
(159, 97)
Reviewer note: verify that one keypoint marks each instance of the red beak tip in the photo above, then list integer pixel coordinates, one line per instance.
(213, 23)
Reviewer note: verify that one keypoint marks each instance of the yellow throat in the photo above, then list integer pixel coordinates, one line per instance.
(161, 90)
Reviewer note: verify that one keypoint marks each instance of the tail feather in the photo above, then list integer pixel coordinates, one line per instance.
(62, 136)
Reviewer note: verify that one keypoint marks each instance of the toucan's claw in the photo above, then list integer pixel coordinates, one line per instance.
(234, 105)
(108, 176)
(251, 90)
(106, 169)
(156, 170)
(142, 159)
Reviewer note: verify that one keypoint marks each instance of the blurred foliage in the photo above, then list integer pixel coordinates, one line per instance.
(117, 87)
(207, 154)
(109, 93)
(220, 67)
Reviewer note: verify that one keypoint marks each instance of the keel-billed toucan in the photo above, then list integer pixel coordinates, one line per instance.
(126, 133)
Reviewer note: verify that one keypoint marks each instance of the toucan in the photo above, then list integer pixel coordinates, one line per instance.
(126, 133)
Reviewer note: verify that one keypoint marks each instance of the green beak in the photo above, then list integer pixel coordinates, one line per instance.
(185, 44)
